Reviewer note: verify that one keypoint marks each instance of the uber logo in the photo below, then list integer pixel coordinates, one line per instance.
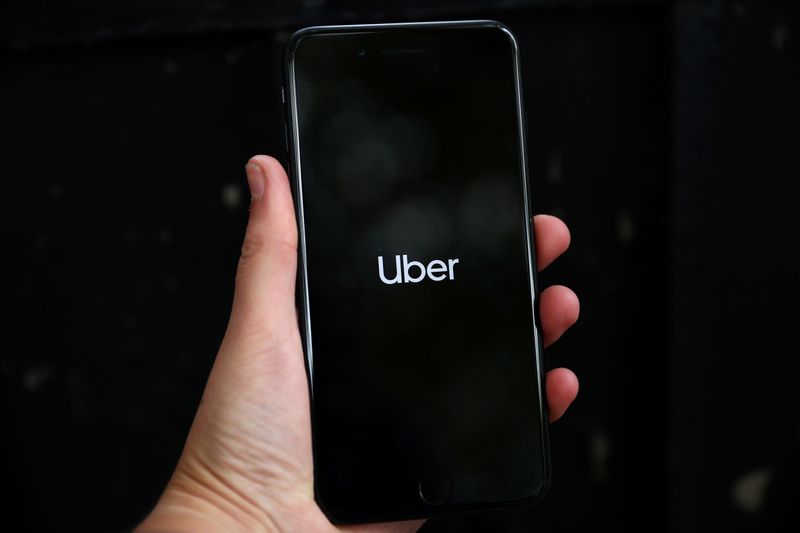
(436, 270)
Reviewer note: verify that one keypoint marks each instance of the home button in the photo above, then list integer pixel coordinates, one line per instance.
(434, 488)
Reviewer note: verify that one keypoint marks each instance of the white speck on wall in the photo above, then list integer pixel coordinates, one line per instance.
(281, 36)
(749, 491)
(231, 196)
(555, 166)
(165, 236)
(600, 450)
(170, 67)
(33, 379)
(233, 56)
(625, 228)
(780, 34)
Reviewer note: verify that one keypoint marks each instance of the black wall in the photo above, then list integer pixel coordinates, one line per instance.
(664, 133)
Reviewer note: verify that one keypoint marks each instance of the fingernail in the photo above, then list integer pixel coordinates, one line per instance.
(255, 180)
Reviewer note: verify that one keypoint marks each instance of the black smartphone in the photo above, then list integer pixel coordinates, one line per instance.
(418, 298)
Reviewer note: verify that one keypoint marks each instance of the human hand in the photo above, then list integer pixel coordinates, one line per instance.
(247, 463)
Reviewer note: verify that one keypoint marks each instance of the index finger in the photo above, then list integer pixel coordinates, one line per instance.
(552, 239)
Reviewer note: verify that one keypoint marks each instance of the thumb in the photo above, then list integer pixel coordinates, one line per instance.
(263, 303)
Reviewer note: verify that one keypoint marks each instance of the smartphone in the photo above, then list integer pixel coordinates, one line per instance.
(417, 286)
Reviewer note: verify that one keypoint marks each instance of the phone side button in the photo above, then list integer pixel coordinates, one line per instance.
(285, 137)
(434, 488)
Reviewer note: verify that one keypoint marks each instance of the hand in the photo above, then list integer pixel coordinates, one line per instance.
(247, 461)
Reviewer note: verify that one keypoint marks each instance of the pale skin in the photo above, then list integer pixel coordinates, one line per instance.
(247, 463)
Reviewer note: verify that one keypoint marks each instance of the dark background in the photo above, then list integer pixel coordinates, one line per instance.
(664, 133)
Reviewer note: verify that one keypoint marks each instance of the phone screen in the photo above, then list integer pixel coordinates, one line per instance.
(422, 347)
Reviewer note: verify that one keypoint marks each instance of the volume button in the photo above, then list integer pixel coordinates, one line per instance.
(285, 137)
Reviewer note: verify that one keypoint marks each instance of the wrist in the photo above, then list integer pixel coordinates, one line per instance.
(194, 503)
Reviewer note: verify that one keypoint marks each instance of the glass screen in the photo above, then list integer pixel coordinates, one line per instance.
(423, 350)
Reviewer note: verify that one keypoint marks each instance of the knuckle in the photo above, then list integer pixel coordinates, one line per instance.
(253, 244)
(257, 247)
